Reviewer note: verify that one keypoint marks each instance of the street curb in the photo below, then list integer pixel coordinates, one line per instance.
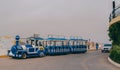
(114, 63)
(3, 56)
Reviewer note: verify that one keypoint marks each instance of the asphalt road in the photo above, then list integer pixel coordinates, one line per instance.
(92, 60)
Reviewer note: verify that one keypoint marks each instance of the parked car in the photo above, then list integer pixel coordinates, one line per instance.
(106, 48)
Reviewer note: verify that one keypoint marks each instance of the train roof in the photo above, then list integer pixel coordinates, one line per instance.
(55, 38)
(36, 38)
(51, 38)
(77, 39)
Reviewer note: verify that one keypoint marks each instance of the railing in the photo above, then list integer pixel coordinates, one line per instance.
(115, 13)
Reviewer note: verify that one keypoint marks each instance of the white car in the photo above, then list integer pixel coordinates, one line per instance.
(106, 48)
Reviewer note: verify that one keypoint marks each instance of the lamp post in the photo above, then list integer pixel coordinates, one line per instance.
(113, 12)
(113, 4)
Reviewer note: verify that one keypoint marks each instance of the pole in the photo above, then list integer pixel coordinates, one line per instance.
(113, 3)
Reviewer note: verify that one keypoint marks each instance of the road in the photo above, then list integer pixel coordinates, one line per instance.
(92, 60)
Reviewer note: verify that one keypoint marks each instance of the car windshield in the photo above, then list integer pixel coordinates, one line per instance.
(108, 45)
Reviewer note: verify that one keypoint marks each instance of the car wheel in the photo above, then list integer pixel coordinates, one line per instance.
(102, 51)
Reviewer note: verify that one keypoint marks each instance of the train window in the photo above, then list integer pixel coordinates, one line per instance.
(40, 44)
(80, 42)
(32, 42)
(28, 41)
(52, 43)
(48, 43)
(84, 43)
(71, 43)
(76, 43)
(45, 43)
(58, 43)
(62, 43)
(65, 43)
(36, 43)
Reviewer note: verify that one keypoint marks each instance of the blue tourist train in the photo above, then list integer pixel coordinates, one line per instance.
(39, 47)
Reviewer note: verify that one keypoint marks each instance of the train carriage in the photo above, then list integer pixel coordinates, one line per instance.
(78, 45)
(57, 46)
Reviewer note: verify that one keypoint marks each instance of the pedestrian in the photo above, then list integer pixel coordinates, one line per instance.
(97, 45)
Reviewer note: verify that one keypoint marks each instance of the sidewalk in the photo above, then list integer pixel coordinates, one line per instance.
(114, 63)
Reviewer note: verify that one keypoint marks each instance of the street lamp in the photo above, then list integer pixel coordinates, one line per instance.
(113, 4)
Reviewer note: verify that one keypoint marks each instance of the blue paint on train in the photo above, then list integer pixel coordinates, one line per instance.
(50, 46)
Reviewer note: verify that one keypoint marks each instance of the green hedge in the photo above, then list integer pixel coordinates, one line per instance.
(114, 33)
(115, 54)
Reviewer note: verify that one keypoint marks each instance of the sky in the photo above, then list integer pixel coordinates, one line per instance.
(88, 19)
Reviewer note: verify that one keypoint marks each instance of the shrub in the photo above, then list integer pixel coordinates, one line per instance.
(115, 54)
(114, 33)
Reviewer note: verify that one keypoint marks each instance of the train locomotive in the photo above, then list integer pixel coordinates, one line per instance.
(39, 47)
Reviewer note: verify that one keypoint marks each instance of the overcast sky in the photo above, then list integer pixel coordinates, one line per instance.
(85, 18)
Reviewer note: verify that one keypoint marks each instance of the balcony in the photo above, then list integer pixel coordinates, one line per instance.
(115, 15)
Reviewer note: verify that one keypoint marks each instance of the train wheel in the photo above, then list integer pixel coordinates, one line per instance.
(59, 50)
(24, 56)
(42, 54)
(51, 51)
(54, 52)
